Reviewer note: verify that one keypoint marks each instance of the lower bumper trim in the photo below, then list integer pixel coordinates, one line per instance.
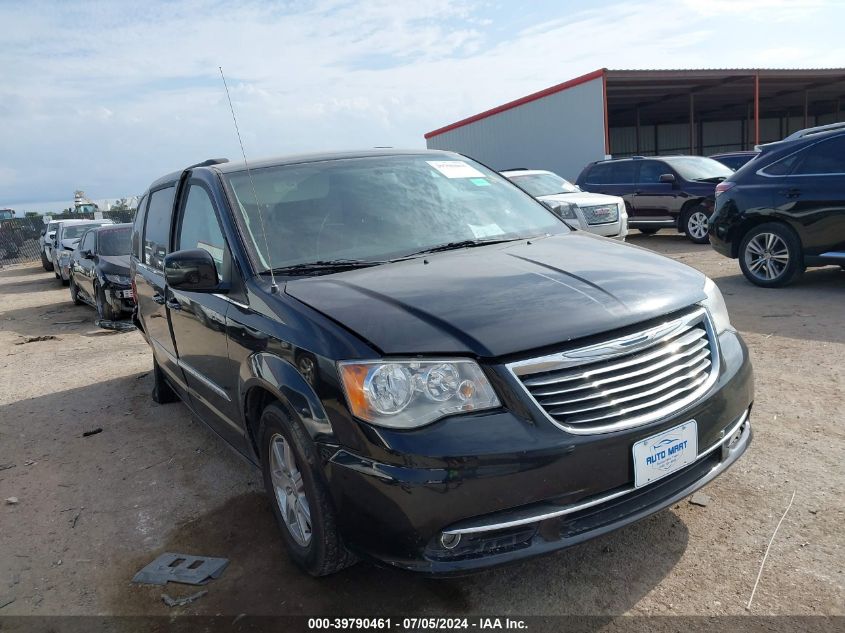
(525, 518)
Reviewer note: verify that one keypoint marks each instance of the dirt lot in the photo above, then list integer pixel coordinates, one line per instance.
(93, 510)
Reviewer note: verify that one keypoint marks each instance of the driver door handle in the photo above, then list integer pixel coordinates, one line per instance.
(793, 192)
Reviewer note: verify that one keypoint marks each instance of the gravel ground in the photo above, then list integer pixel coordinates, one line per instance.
(92, 510)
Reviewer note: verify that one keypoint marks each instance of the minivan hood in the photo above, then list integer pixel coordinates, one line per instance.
(70, 243)
(496, 300)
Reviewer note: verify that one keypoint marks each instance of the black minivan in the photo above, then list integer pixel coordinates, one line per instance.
(785, 210)
(431, 369)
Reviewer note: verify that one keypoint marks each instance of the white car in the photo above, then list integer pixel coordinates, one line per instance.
(593, 212)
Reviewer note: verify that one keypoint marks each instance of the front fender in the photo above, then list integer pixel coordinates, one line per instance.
(280, 378)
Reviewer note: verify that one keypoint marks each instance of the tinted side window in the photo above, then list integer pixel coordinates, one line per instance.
(157, 227)
(138, 228)
(782, 167)
(199, 227)
(826, 157)
(599, 174)
(623, 172)
(652, 170)
(88, 242)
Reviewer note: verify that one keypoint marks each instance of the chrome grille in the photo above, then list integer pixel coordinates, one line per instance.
(625, 381)
(600, 214)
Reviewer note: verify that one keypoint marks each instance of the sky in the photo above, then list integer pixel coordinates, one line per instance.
(108, 96)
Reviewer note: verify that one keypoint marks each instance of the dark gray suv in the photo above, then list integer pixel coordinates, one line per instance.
(660, 192)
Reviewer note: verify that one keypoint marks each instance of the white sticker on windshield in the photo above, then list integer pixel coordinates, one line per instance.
(485, 230)
(455, 169)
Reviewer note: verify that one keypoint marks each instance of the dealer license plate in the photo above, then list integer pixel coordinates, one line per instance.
(126, 294)
(660, 455)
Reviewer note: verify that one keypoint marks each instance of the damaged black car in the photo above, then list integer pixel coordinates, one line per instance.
(99, 272)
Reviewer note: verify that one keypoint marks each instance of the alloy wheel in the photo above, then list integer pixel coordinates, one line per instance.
(698, 225)
(766, 256)
(289, 490)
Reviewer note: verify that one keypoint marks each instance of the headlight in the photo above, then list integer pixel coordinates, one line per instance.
(405, 394)
(64, 255)
(715, 305)
(565, 210)
(118, 279)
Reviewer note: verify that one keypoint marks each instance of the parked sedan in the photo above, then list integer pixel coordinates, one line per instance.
(68, 234)
(735, 160)
(99, 271)
(593, 212)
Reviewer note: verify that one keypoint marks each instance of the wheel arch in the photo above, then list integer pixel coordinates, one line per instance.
(267, 378)
(753, 221)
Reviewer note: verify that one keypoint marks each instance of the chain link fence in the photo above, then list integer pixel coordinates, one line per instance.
(20, 238)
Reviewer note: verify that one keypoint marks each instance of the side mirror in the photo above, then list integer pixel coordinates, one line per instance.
(193, 270)
(670, 178)
(86, 254)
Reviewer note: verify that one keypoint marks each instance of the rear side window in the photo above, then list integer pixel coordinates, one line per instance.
(138, 229)
(782, 167)
(157, 227)
(826, 157)
(599, 174)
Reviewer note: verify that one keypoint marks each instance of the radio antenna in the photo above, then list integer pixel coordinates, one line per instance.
(273, 287)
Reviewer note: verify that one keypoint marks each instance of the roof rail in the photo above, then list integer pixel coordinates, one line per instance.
(515, 169)
(209, 163)
(815, 130)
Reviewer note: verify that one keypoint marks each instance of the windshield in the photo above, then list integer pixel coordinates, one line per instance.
(371, 209)
(544, 184)
(75, 231)
(113, 241)
(699, 168)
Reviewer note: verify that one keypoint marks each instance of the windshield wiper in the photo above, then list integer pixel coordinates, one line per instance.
(716, 179)
(324, 266)
(449, 246)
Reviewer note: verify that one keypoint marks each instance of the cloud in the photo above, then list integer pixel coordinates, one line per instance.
(106, 96)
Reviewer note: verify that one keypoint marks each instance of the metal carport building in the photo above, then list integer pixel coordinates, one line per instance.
(646, 112)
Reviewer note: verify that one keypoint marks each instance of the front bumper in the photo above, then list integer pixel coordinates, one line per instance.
(511, 488)
(119, 298)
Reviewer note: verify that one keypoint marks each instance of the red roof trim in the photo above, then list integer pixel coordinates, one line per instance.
(596, 74)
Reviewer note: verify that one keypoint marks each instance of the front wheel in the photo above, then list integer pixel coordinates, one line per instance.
(46, 263)
(695, 223)
(301, 503)
(770, 255)
(104, 310)
(74, 292)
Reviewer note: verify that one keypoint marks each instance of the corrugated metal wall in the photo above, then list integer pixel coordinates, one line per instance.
(561, 132)
(715, 136)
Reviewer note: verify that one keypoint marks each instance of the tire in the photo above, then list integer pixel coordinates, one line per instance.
(104, 311)
(694, 222)
(648, 231)
(163, 393)
(772, 238)
(74, 292)
(46, 263)
(300, 499)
